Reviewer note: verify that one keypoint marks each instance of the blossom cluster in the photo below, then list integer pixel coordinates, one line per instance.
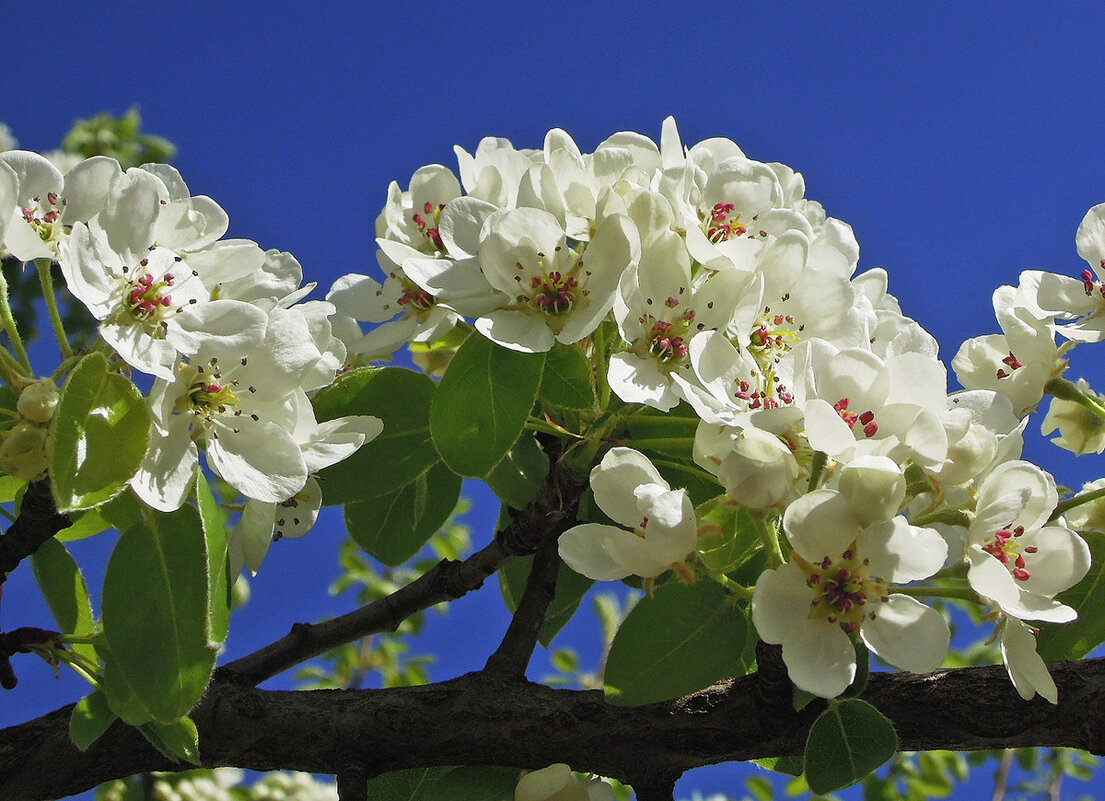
(218, 324)
(696, 275)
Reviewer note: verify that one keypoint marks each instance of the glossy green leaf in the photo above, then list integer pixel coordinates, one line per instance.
(570, 589)
(63, 586)
(519, 475)
(158, 661)
(394, 527)
(402, 452)
(482, 404)
(467, 783)
(122, 511)
(847, 741)
(90, 718)
(10, 487)
(178, 740)
(100, 434)
(684, 638)
(1076, 639)
(214, 532)
(567, 380)
(85, 524)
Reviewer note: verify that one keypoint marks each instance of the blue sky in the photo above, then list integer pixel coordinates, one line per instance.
(961, 141)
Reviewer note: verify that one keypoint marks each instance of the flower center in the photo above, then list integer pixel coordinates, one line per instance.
(46, 223)
(553, 292)
(147, 299)
(415, 298)
(1011, 362)
(842, 589)
(210, 393)
(723, 223)
(427, 221)
(1004, 546)
(866, 420)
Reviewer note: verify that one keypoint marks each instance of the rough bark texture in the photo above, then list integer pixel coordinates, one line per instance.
(476, 719)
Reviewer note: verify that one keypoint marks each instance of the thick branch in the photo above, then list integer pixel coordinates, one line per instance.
(546, 517)
(475, 720)
(38, 521)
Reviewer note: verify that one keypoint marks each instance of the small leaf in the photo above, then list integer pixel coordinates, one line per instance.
(85, 525)
(158, 662)
(684, 638)
(570, 589)
(519, 475)
(63, 586)
(790, 765)
(10, 486)
(178, 740)
(100, 433)
(1076, 639)
(91, 717)
(848, 740)
(214, 532)
(567, 380)
(404, 785)
(482, 404)
(475, 783)
(401, 453)
(394, 527)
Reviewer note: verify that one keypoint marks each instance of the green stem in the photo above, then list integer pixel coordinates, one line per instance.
(735, 588)
(1067, 390)
(598, 345)
(43, 267)
(769, 536)
(960, 593)
(9, 326)
(659, 443)
(685, 468)
(79, 666)
(536, 424)
(11, 369)
(1077, 500)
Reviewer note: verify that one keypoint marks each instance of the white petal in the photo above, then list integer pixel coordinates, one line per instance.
(260, 460)
(581, 548)
(516, 330)
(1026, 669)
(820, 658)
(781, 598)
(614, 480)
(169, 467)
(901, 553)
(907, 634)
(252, 535)
(820, 524)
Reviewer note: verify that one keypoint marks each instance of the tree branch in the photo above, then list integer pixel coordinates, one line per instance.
(38, 521)
(547, 516)
(480, 720)
(513, 654)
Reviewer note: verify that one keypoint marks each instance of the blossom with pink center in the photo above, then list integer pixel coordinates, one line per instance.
(660, 528)
(1018, 560)
(837, 586)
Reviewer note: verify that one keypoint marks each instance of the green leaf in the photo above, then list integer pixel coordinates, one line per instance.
(482, 404)
(156, 633)
(1076, 639)
(85, 525)
(570, 589)
(214, 533)
(100, 434)
(684, 638)
(790, 765)
(10, 487)
(91, 717)
(401, 453)
(63, 586)
(394, 527)
(567, 380)
(519, 476)
(468, 783)
(847, 741)
(178, 740)
(123, 511)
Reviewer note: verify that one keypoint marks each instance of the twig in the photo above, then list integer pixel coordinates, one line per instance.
(513, 654)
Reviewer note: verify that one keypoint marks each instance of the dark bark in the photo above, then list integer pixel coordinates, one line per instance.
(477, 719)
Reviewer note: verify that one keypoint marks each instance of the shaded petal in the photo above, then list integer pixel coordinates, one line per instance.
(781, 598)
(1026, 669)
(907, 634)
(581, 548)
(820, 658)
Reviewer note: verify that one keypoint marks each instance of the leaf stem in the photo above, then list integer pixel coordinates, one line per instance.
(769, 536)
(959, 593)
(1077, 500)
(9, 326)
(44, 278)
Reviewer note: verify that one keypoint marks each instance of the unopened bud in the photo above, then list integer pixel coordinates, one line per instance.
(23, 451)
(38, 401)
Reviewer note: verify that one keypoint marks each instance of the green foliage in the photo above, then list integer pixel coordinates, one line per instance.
(63, 587)
(121, 138)
(90, 718)
(157, 663)
(567, 381)
(684, 638)
(467, 783)
(100, 434)
(482, 404)
(401, 399)
(519, 475)
(847, 741)
(394, 527)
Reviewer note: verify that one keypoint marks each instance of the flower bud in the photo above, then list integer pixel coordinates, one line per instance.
(759, 471)
(874, 486)
(23, 451)
(38, 401)
(1081, 430)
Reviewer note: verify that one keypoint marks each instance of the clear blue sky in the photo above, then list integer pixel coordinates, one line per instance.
(961, 141)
